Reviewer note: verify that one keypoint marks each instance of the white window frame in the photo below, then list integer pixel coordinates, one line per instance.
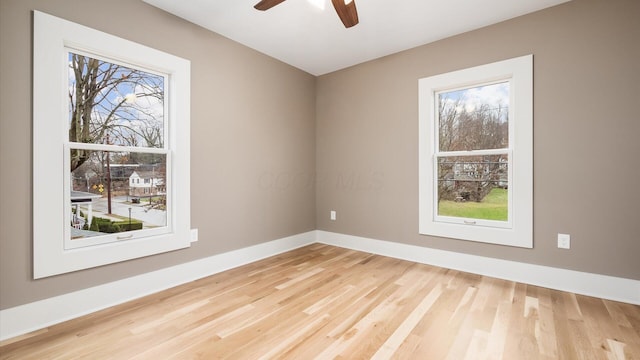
(52, 39)
(518, 229)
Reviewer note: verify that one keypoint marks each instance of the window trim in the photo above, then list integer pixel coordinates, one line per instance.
(52, 39)
(518, 230)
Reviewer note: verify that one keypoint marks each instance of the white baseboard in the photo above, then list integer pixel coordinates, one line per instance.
(602, 286)
(40, 314)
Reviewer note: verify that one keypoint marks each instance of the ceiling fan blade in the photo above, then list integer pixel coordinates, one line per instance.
(267, 4)
(347, 12)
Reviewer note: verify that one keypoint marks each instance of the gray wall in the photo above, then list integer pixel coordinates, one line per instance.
(586, 128)
(252, 130)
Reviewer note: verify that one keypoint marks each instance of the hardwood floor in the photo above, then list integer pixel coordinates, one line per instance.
(324, 302)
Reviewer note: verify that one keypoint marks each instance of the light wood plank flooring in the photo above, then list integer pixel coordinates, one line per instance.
(324, 302)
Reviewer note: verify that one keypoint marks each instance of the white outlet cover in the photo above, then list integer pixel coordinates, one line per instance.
(564, 241)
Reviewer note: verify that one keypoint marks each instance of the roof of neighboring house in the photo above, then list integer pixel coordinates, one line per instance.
(146, 174)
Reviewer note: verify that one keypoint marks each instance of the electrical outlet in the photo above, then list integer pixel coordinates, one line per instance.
(194, 235)
(332, 215)
(564, 241)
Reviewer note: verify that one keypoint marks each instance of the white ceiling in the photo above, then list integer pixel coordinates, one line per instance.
(298, 33)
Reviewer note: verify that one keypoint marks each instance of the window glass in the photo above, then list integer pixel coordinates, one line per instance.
(120, 107)
(106, 197)
(114, 104)
(474, 118)
(474, 187)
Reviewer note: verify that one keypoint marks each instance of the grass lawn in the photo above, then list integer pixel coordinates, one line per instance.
(492, 207)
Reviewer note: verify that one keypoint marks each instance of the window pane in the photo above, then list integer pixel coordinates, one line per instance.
(107, 195)
(474, 118)
(473, 187)
(114, 104)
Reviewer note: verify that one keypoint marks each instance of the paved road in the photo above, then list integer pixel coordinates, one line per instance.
(119, 206)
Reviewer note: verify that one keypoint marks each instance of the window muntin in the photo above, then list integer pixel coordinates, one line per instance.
(497, 151)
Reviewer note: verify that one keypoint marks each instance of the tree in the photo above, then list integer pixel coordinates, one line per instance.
(115, 102)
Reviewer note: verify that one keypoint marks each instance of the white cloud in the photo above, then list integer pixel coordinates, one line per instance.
(492, 95)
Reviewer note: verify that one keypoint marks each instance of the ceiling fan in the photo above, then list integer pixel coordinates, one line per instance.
(346, 9)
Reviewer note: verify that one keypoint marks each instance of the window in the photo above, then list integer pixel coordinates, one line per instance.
(107, 113)
(476, 170)
(116, 128)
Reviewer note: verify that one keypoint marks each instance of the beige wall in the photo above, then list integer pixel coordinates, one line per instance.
(586, 136)
(261, 130)
(252, 132)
